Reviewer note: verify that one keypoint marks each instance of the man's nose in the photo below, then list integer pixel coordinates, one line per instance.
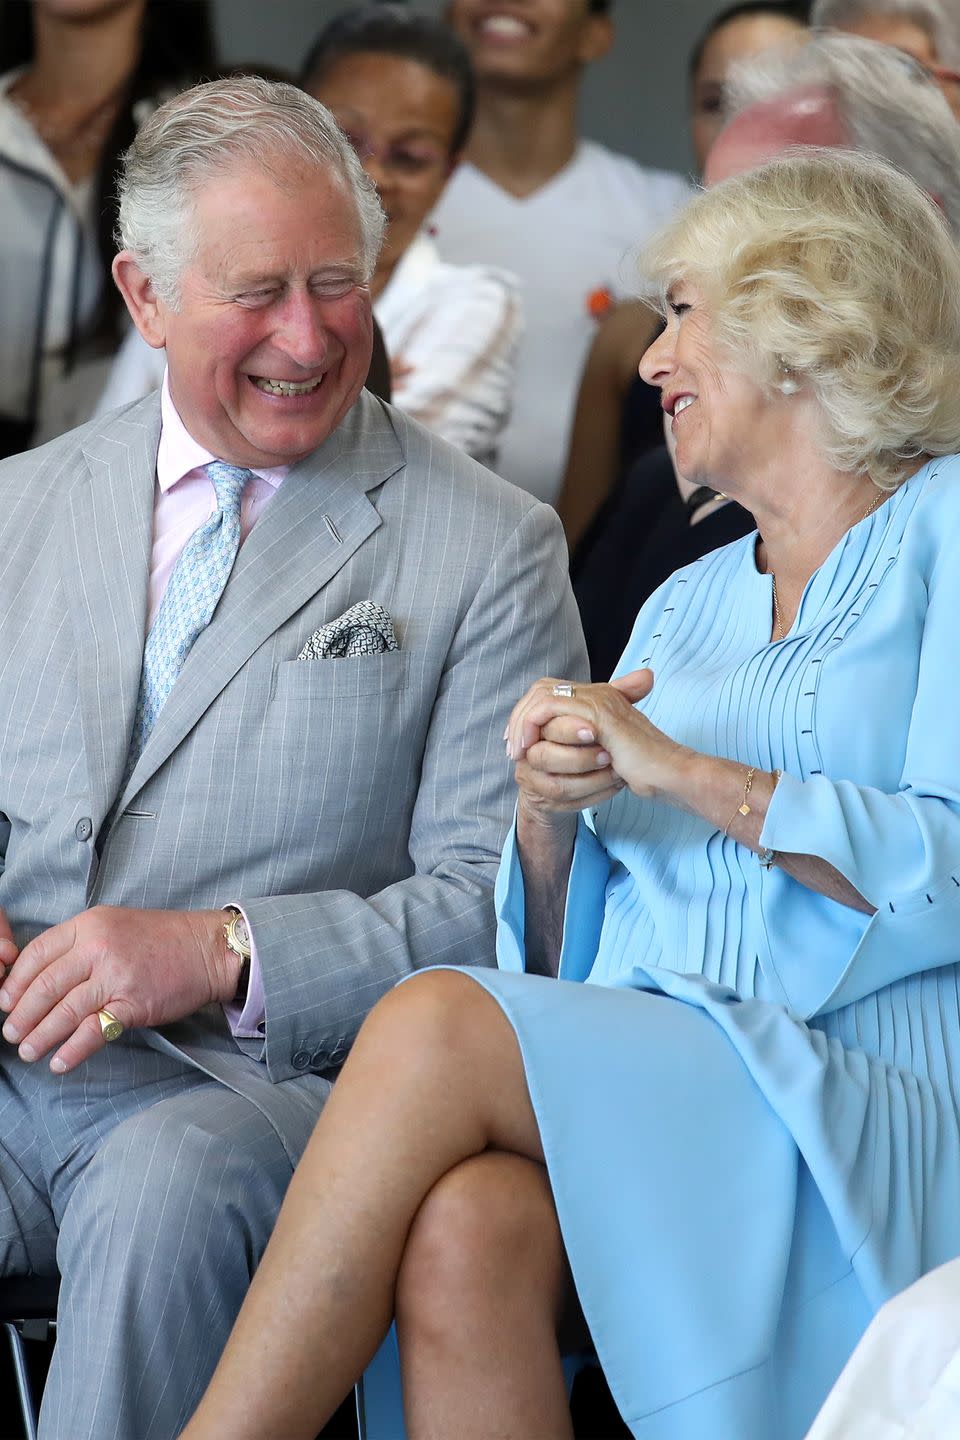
(303, 333)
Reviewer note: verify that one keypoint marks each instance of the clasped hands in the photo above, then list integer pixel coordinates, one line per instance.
(574, 752)
(148, 967)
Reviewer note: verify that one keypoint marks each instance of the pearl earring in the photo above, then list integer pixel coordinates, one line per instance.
(787, 385)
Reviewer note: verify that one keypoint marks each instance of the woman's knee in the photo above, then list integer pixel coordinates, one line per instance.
(486, 1232)
(436, 1014)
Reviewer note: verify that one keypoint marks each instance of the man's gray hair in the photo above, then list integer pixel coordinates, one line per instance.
(205, 132)
(928, 14)
(888, 104)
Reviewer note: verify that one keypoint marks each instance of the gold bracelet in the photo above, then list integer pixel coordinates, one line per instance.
(744, 807)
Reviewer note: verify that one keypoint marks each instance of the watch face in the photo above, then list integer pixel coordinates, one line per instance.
(236, 932)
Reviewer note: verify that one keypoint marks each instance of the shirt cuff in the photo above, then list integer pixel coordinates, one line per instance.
(247, 1020)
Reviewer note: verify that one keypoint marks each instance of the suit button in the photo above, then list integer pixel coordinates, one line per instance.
(84, 828)
(301, 1060)
(319, 1059)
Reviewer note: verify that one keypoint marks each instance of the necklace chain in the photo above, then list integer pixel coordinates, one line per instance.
(779, 631)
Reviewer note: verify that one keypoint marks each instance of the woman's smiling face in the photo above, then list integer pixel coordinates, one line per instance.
(724, 424)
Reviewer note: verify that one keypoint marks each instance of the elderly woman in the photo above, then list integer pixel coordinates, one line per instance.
(742, 1134)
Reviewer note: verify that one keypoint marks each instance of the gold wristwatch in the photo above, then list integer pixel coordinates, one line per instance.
(237, 936)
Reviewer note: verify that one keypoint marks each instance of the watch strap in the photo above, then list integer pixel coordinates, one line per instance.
(237, 939)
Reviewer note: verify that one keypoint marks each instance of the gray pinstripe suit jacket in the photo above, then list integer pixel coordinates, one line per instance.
(356, 807)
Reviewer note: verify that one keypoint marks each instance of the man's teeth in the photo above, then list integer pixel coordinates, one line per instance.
(682, 403)
(507, 27)
(287, 387)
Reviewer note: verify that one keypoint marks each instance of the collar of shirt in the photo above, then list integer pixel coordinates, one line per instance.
(179, 455)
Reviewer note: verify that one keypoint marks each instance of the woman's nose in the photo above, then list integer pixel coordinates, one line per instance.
(657, 361)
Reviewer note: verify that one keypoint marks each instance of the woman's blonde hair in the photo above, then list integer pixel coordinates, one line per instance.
(833, 269)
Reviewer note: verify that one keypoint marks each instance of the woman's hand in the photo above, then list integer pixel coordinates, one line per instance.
(573, 752)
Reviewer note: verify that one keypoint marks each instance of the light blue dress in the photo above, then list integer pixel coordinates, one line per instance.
(748, 1092)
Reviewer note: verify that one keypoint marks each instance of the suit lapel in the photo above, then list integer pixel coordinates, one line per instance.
(105, 542)
(312, 526)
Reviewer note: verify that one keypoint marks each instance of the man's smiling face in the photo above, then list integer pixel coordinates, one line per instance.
(270, 342)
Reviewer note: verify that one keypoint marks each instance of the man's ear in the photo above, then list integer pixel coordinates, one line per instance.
(597, 38)
(147, 312)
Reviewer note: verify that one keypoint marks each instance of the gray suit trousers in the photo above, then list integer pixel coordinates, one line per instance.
(164, 1190)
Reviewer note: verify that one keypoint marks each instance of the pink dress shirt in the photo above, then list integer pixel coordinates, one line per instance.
(185, 498)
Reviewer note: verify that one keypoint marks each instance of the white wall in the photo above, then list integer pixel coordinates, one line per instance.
(634, 100)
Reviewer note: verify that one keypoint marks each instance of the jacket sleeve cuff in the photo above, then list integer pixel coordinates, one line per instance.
(583, 912)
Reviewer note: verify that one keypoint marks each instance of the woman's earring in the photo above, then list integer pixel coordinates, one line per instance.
(787, 385)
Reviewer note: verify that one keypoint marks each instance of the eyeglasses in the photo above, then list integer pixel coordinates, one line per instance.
(946, 76)
(406, 160)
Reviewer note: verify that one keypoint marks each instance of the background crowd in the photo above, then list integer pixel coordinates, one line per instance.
(511, 320)
(518, 229)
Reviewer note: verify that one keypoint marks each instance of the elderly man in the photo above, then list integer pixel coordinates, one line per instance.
(339, 610)
(846, 91)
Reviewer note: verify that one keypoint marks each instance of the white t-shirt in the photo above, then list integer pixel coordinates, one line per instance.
(578, 234)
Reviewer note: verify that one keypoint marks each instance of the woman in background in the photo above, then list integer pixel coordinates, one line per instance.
(81, 75)
(401, 87)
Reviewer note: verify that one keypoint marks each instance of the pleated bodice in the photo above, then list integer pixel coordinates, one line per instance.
(837, 698)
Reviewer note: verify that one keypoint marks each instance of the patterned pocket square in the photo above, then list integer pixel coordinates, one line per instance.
(364, 629)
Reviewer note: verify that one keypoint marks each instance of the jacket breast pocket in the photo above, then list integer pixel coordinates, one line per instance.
(346, 679)
(343, 740)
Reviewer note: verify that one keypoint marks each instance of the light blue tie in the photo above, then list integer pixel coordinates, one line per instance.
(193, 591)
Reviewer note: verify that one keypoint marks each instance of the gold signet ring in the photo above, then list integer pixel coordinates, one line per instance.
(110, 1027)
(564, 690)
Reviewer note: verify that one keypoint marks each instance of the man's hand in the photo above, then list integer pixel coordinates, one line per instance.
(146, 967)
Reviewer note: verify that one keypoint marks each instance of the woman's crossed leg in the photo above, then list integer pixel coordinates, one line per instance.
(422, 1192)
